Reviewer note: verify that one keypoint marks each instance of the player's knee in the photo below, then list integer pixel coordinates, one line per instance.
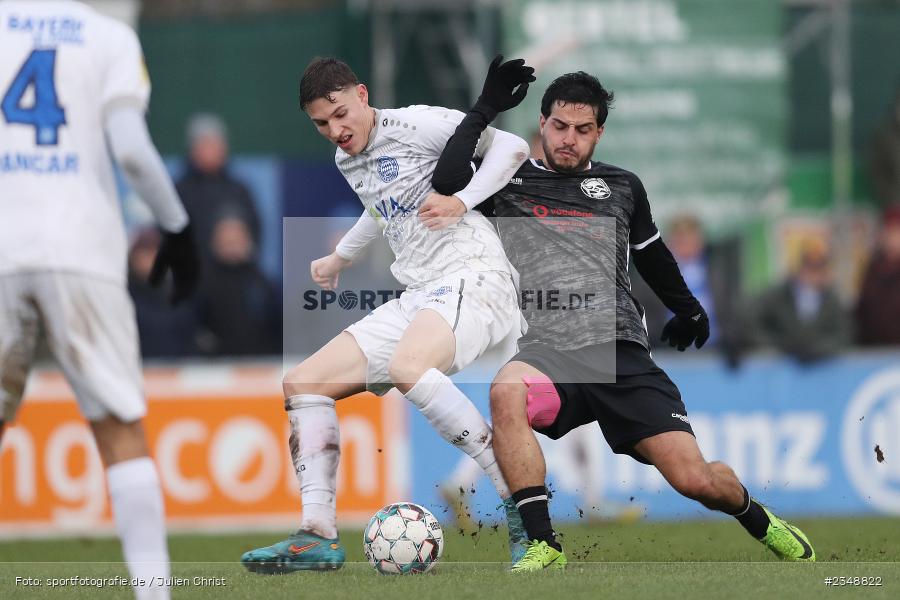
(406, 372)
(695, 483)
(507, 403)
(722, 470)
(302, 380)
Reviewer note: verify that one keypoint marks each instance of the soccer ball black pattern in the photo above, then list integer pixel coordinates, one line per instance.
(403, 538)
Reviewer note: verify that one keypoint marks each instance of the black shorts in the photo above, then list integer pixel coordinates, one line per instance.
(642, 402)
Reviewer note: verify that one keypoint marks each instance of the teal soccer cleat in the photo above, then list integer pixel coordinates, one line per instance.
(518, 539)
(302, 551)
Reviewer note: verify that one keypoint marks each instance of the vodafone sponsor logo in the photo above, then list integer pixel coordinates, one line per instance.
(541, 211)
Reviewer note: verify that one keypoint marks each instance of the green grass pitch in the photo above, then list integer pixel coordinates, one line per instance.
(702, 559)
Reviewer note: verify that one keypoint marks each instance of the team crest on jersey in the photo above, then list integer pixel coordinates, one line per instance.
(595, 188)
(388, 168)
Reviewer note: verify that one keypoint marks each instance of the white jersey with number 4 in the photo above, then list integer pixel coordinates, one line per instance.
(63, 67)
(392, 177)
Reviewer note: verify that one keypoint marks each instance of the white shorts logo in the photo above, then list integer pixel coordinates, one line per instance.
(595, 188)
(873, 418)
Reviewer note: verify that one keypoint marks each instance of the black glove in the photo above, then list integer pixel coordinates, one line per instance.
(499, 92)
(681, 332)
(178, 253)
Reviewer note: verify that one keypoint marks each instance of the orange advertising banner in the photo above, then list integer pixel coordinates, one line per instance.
(219, 437)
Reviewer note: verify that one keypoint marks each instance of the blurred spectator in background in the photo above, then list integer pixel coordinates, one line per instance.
(164, 330)
(238, 308)
(688, 245)
(207, 188)
(885, 160)
(712, 273)
(803, 316)
(878, 308)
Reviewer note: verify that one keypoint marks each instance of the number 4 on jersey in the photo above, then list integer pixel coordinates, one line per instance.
(45, 114)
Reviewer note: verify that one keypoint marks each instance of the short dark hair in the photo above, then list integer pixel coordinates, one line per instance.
(578, 88)
(322, 78)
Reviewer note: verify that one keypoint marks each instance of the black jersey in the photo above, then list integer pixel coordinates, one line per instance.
(572, 252)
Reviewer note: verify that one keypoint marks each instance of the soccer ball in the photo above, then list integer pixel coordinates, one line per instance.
(403, 538)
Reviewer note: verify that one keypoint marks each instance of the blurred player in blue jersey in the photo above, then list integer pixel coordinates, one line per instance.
(71, 79)
(569, 225)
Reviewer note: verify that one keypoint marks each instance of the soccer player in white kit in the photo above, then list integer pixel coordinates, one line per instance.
(460, 298)
(70, 79)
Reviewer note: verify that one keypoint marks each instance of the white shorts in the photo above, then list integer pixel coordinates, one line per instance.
(90, 328)
(481, 309)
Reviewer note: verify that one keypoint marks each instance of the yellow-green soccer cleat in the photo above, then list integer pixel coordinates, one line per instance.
(786, 541)
(538, 557)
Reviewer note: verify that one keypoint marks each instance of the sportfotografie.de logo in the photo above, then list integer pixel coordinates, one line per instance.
(558, 300)
(347, 299)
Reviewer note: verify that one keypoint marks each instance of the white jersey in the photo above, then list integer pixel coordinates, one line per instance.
(63, 66)
(392, 177)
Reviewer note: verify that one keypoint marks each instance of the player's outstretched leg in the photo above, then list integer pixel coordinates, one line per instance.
(335, 371)
(522, 461)
(426, 349)
(715, 485)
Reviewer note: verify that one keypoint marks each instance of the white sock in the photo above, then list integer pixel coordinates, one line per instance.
(315, 449)
(454, 416)
(137, 507)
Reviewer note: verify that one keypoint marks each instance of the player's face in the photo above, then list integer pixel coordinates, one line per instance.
(569, 135)
(347, 121)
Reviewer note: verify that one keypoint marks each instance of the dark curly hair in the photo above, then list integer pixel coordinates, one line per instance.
(323, 77)
(578, 88)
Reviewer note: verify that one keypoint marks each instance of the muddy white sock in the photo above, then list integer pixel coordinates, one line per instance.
(315, 449)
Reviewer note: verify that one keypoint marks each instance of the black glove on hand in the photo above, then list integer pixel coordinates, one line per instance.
(681, 332)
(178, 253)
(499, 92)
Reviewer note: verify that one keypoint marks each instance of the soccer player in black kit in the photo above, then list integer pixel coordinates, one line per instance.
(586, 354)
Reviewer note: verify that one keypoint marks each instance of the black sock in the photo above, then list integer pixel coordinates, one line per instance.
(532, 505)
(752, 517)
